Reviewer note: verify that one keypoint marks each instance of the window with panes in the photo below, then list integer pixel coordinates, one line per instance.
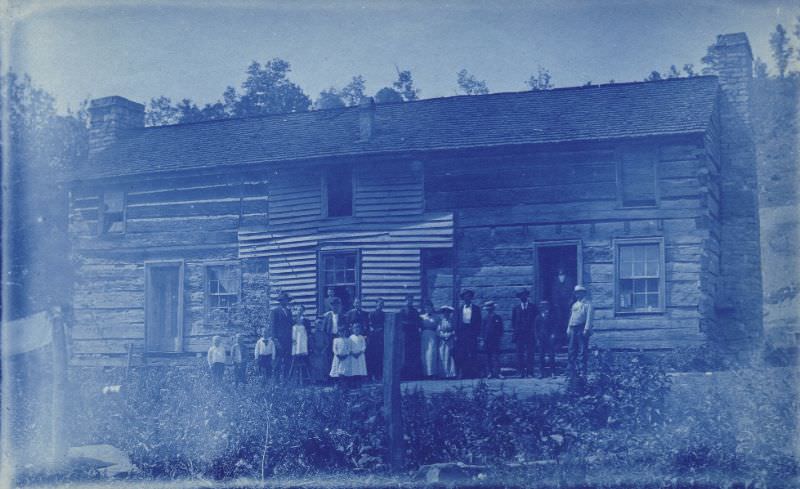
(640, 277)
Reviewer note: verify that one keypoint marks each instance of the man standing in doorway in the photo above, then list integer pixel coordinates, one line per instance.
(280, 331)
(468, 329)
(523, 317)
(561, 295)
(578, 331)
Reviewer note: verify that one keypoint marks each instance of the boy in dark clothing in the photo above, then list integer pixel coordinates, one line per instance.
(377, 320)
(545, 327)
(492, 333)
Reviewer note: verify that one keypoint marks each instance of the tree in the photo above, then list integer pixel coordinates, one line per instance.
(710, 61)
(160, 112)
(353, 92)
(388, 95)
(44, 148)
(542, 80)
(688, 68)
(653, 76)
(781, 50)
(469, 85)
(404, 85)
(329, 99)
(267, 90)
(760, 69)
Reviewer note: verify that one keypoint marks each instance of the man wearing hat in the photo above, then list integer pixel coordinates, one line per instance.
(578, 330)
(561, 299)
(468, 329)
(491, 334)
(280, 331)
(523, 317)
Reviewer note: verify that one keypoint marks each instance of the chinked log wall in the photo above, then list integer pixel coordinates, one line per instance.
(505, 205)
(388, 227)
(191, 219)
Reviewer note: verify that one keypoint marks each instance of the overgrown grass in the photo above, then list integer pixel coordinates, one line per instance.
(173, 423)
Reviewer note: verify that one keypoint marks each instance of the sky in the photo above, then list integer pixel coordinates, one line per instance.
(79, 49)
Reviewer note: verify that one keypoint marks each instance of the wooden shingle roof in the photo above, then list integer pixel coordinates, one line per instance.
(624, 110)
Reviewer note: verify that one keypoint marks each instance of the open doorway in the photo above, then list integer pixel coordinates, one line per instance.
(558, 267)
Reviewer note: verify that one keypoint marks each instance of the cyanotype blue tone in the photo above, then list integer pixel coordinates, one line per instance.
(565, 286)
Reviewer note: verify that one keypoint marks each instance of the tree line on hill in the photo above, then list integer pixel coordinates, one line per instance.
(49, 145)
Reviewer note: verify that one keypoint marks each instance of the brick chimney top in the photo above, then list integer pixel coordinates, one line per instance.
(366, 118)
(108, 118)
(735, 39)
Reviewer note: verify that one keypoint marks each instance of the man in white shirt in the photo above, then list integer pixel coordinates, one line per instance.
(578, 331)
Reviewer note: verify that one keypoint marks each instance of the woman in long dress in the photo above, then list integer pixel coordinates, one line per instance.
(447, 338)
(429, 340)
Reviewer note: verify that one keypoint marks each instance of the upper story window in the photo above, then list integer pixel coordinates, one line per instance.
(338, 191)
(112, 213)
(640, 275)
(222, 291)
(637, 179)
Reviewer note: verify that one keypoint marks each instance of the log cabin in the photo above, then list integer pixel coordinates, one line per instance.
(644, 192)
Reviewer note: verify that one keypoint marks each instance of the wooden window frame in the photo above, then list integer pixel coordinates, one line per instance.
(206, 292)
(651, 156)
(325, 179)
(101, 214)
(662, 279)
(321, 279)
(149, 265)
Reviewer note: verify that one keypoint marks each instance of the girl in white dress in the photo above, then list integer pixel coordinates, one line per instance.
(299, 367)
(340, 367)
(358, 359)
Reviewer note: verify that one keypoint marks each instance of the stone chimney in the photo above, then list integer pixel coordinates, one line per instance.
(740, 298)
(109, 117)
(366, 119)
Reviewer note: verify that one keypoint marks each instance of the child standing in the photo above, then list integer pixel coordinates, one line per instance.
(358, 359)
(340, 366)
(216, 359)
(263, 353)
(319, 351)
(239, 367)
(299, 365)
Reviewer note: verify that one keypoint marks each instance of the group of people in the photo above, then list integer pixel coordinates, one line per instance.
(443, 342)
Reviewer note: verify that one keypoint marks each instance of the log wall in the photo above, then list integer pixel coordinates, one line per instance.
(505, 205)
(490, 210)
(190, 219)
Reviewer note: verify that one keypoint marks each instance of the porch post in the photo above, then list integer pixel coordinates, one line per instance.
(392, 394)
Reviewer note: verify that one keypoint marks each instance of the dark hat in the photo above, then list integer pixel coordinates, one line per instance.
(284, 296)
(467, 292)
(523, 293)
(446, 308)
(489, 304)
(544, 303)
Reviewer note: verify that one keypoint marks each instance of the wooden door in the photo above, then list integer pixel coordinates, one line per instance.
(164, 307)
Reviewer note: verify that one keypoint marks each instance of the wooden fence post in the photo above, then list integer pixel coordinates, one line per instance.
(392, 396)
(59, 348)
